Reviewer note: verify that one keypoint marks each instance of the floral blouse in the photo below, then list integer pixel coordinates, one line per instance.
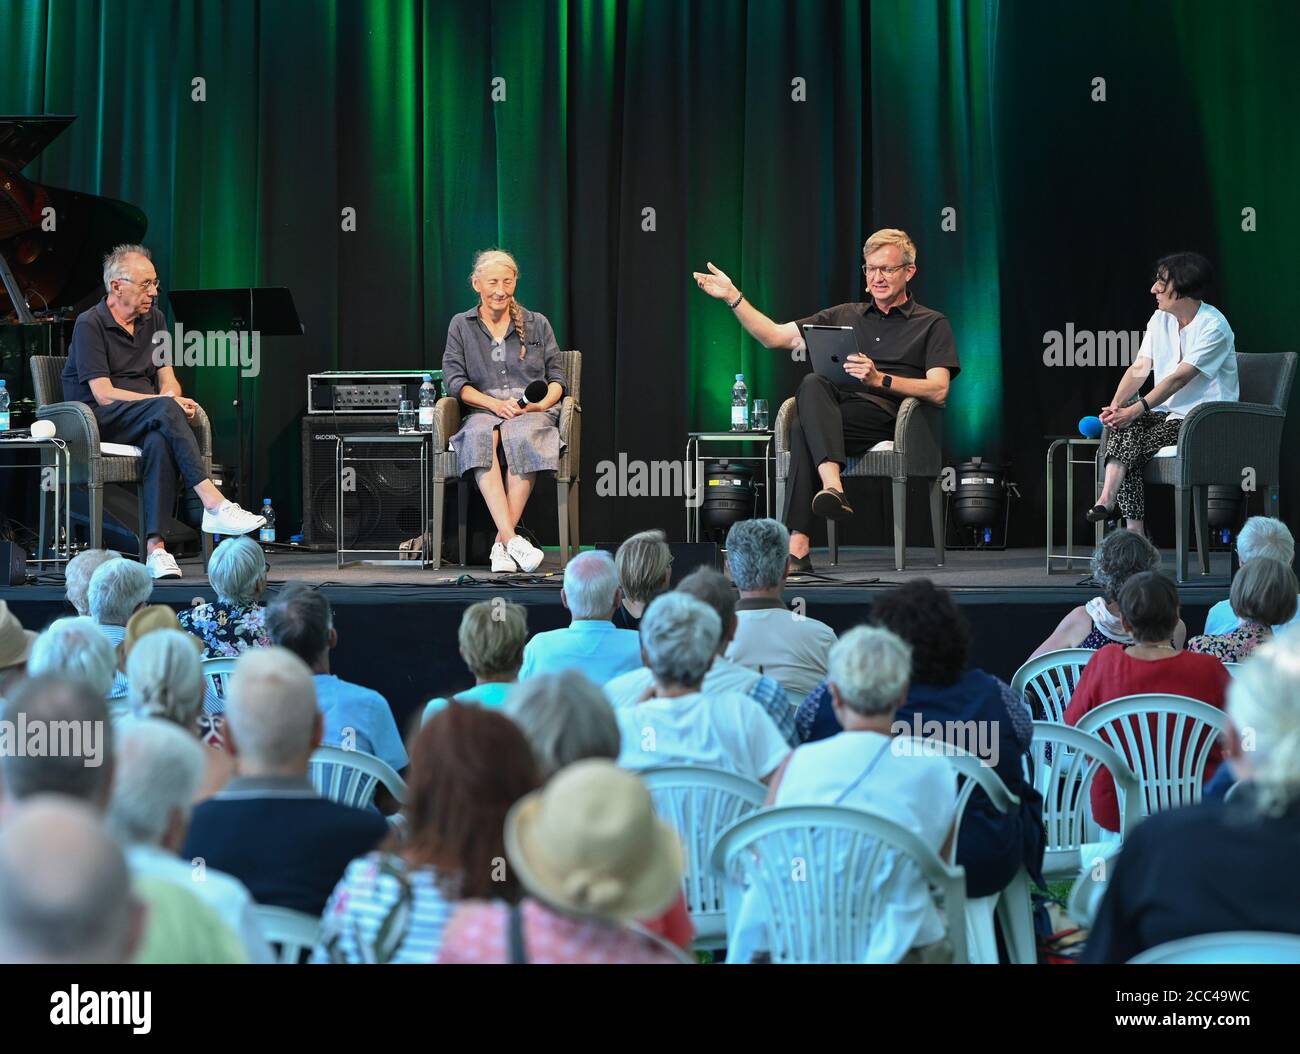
(1234, 646)
(226, 629)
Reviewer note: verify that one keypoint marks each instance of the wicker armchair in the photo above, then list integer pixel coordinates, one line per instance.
(917, 453)
(1217, 443)
(446, 416)
(91, 467)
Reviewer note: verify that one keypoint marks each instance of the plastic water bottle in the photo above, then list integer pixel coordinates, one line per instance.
(740, 405)
(4, 407)
(267, 533)
(428, 397)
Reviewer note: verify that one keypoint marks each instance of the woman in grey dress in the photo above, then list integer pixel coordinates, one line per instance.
(494, 351)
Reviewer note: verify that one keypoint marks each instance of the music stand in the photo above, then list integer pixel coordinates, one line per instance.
(268, 311)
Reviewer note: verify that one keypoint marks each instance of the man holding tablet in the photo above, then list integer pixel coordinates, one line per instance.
(903, 349)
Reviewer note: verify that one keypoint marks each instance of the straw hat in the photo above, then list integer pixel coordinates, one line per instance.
(589, 843)
(15, 642)
(146, 620)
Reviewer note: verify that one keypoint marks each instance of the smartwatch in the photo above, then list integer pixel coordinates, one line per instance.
(886, 381)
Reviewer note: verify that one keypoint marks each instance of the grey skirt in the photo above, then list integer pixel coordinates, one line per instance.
(530, 442)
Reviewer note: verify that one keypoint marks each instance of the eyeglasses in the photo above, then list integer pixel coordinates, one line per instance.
(869, 271)
(151, 285)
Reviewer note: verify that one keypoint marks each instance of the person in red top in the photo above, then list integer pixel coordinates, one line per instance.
(1148, 605)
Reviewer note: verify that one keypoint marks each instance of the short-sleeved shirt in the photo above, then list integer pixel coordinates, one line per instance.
(905, 343)
(792, 649)
(727, 731)
(1207, 343)
(358, 718)
(102, 348)
(473, 357)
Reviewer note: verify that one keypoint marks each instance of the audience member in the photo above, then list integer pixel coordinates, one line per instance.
(356, 718)
(157, 775)
(1149, 607)
(591, 642)
(491, 639)
(1260, 536)
(1263, 596)
(268, 827)
(468, 767)
(679, 724)
(76, 576)
(786, 645)
(76, 649)
(565, 718)
(645, 567)
(235, 621)
(869, 672)
(1219, 867)
(118, 588)
(65, 891)
(1120, 556)
(592, 855)
(15, 647)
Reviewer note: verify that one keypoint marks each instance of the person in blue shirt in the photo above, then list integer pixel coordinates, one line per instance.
(491, 638)
(591, 642)
(1260, 536)
(356, 718)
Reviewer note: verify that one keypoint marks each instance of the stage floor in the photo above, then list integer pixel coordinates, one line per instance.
(397, 625)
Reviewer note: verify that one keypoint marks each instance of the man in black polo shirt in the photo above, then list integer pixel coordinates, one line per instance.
(111, 368)
(904, 349)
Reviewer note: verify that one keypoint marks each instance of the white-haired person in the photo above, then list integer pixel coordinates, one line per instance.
(76, 576)
(592, 857)
(75, 649)
(771, 639)
(137, 401)
(236, 620)
(1119, 556)
(903, 350)
(1260, 536)
(1219, 867)
(157, 776)
(716, 590)
(166, 683)
(491, 641)
(678, 724)
(866, 767)
(268, 826)
(118, 589)
(591, 642)
(645, 568)
(494, 352)
(1263, 596)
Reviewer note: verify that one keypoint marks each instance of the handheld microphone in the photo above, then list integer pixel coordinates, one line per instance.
(534, 393)
(1090, 427)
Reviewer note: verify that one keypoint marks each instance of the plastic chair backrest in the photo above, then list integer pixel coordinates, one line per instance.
(290, 933)
(1239, 947)
(1233, 668)
(1166, 739)
(350, 777)
(826, 873)
(699, 803)
(216, 676)
(974, 773)
(1048, 681)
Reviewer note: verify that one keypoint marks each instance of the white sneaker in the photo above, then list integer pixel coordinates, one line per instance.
(527, 556)
(501, 559)
(229, 518)
(161, 564)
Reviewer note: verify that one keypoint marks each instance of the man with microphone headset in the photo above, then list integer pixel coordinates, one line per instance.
(903, 349)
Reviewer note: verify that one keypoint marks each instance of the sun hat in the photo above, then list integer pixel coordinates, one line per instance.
(146, 620)
(15, 642)
(589, 843)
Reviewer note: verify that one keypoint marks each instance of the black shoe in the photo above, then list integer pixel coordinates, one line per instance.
(1100, 512)
(798, 565)
(831, 504)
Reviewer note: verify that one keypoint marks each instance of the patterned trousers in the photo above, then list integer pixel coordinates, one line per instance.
(1133, 447)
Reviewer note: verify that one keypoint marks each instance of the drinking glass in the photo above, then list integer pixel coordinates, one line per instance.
(760, 415)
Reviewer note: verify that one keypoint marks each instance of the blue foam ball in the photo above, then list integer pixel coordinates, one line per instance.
(1090, 427)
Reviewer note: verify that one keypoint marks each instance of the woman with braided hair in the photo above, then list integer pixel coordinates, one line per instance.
(494, 351)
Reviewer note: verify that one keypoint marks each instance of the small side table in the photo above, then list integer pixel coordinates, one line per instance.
(1071, 444)
(56, 479)
(355, 451)
(695, 458)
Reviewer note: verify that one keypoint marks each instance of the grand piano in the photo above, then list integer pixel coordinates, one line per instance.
(52, 247)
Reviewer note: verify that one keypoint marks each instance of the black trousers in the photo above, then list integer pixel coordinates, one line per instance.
(831, 425)
(167, 445)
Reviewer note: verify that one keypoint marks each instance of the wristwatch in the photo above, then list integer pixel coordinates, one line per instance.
(886, 381)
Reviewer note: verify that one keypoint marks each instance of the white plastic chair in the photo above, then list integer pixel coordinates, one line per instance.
(1066, 784)
(1211, 948)
(700, 803)
(1012, 905)
(289, 933)
(1090, 886)
(848, 858)
(1233, 668)
(350, 777)
(1167, 739)
(1048, 681)
(216, 676)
